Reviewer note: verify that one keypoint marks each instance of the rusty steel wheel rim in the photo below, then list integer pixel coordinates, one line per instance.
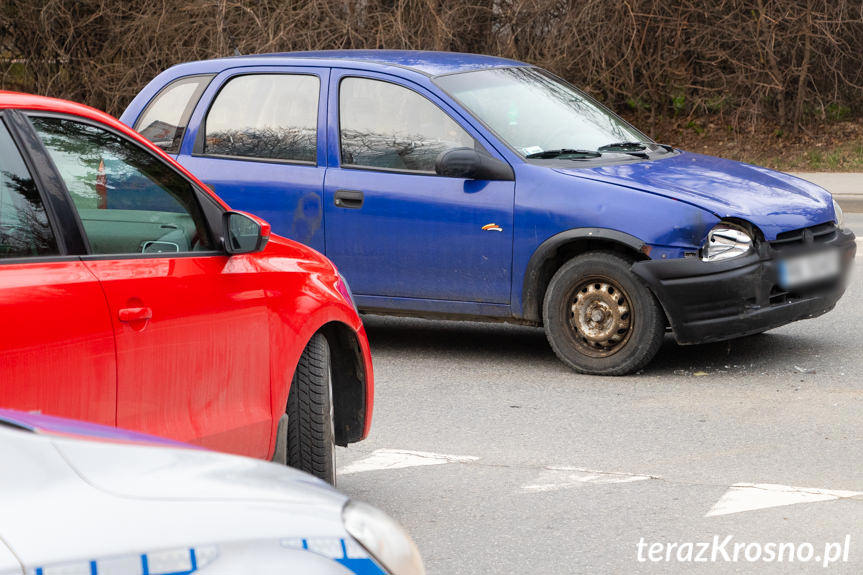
(600, 316)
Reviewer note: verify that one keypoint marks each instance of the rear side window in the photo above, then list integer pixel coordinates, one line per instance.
(388, 126)
(129, 201)
(24, 228)
(265, 116)
(164, 120)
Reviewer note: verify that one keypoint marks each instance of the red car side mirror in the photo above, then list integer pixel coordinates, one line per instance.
(244, 233)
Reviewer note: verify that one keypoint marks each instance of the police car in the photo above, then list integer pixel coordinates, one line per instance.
(80, 498)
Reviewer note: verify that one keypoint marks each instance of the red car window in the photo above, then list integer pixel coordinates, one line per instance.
(128, 200)
(24, 227)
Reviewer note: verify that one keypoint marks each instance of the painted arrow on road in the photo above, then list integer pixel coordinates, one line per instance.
(751, 496)
(400, 459)
(554, 478)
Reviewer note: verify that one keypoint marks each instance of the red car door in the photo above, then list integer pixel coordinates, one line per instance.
(56, 340)
(190, 322)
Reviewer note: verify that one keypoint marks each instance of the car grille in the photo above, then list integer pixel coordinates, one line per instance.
(805, 236)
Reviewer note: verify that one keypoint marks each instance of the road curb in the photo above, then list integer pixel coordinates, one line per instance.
(852, 203)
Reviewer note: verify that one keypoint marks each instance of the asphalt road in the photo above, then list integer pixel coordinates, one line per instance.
(559, 473)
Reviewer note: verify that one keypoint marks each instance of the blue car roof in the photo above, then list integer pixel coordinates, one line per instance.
(426, 63)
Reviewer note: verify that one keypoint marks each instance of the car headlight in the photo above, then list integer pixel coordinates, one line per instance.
(840, 216)
(725, 241)
(386, 540)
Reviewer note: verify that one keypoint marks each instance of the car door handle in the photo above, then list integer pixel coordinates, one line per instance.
(129, 314)
(352, 199)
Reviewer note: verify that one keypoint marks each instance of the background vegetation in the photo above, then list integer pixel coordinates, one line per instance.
(758, 77)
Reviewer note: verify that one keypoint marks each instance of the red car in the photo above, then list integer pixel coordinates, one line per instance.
(132, 296)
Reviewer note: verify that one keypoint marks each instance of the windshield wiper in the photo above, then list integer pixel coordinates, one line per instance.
(623, 147)
(575, 154)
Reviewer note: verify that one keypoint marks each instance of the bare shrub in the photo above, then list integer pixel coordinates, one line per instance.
(786, 61)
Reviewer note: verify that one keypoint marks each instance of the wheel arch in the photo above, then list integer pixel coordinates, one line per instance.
(560, 248)
(349, 382)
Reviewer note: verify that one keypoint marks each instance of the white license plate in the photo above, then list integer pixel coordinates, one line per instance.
(800, 270)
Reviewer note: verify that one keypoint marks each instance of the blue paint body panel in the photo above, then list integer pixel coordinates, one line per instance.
(417, 243)
(425, 223)
(288, 196)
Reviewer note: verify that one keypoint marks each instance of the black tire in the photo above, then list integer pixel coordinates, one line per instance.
(599, 318)
(310, 437)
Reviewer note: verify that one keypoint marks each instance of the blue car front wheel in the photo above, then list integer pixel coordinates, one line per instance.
(599, 318)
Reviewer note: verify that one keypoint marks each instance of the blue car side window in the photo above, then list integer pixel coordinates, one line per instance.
(384, 125)
(282, 125)
(165, 118)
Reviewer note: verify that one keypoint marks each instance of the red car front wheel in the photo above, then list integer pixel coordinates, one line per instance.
(310, 441)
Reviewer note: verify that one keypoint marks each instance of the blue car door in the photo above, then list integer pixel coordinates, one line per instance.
(397, 231)
(254, 138)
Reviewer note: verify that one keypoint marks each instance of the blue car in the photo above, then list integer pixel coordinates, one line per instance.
(467, 186)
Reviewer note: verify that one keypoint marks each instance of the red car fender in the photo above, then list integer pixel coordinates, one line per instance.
(298, 311)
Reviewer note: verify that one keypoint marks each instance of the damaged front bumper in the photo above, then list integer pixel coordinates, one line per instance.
(714, 301)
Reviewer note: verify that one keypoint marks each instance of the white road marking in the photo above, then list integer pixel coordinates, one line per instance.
(401, 458)
(750, 496)
(553, 478)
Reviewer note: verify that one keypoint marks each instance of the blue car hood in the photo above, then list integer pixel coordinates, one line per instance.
(773, 201)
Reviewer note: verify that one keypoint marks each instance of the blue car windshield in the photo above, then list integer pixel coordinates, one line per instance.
(534, 112)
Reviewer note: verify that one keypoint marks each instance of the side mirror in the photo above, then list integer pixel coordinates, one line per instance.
(244, 233)
(473, 165)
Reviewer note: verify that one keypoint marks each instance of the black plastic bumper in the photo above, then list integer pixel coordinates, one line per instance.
(713, 301)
